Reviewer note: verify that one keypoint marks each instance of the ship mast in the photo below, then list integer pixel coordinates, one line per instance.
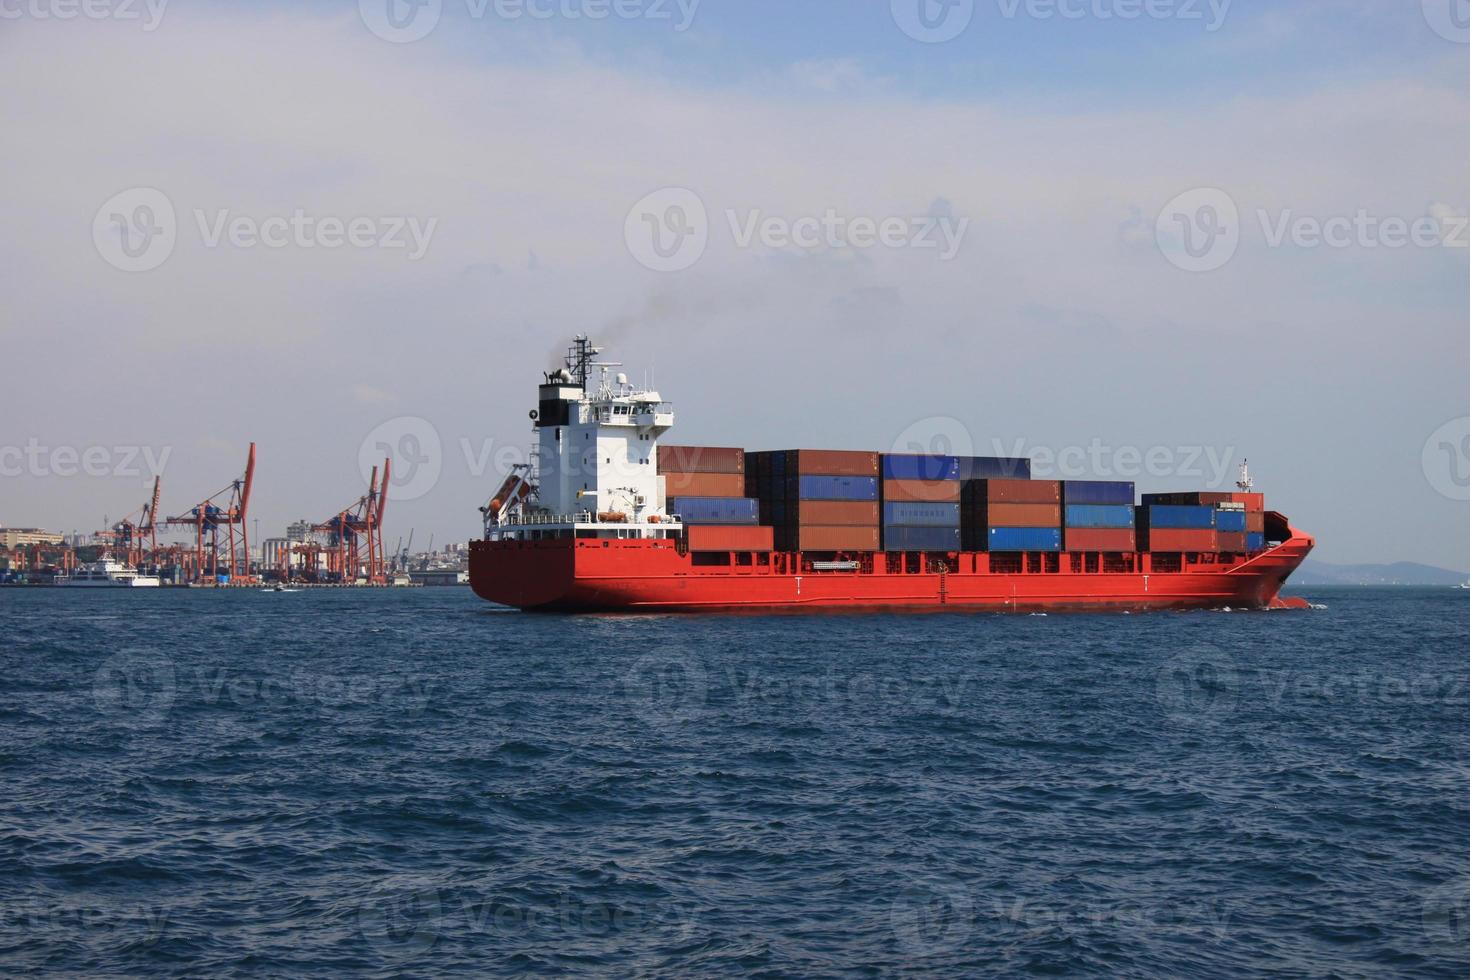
(1245, 483)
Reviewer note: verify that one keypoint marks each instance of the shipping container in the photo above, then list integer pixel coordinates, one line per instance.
(921, 515)
(1024, 539)
(1178, 516)
(829, 462)
(1255, 541)
(921, 538)
(700, 459)
(704, 485)
(1016, 515)
(716, 510)
(834, 513)
(922, 491)
(809, 487)
(1190, 498)
(812, 538)
(1255, 522)
(1180, 539)
(1099, 515)
(1014, 491)
(1231, 541)
(994, 468)
(913, 467)
(1100, 539)
(1230, 521)
(1097, 492)
(716, 537)
(1255, 503)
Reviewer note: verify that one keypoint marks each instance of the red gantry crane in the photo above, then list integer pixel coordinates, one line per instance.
(221, 516)
(354, 548)
(134, 539)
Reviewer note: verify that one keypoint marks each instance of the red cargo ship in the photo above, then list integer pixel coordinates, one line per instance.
(591, 527)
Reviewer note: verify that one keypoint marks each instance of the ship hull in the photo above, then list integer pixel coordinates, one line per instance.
(653, 576)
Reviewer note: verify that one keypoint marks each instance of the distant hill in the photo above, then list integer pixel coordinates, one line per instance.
(1399, 573)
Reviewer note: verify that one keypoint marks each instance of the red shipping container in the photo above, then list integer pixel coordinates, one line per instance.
(838, 513)
(1099, 539)
(922, 491)
(704, 485)
(700, 459)
(810, 538)
(1232, 541)
(1255, 503)
(1255, 521)
(724, 537)
(1019, 491)
(830, 462)
(1020, 515)
(1171, 539)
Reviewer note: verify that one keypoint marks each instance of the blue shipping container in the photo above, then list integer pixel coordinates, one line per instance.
(921, 539)
(1099, 515)
(1230, 520)
(1097, 492)
(717, 510)
(1180, 517)
(908, 467)
(838, 488)
(921, 515)
(994, 468)
(1255, 541)
(1025, 539)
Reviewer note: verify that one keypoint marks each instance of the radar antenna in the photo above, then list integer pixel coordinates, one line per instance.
(1245, 483)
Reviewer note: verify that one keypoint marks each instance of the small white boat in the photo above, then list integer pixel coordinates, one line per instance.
(108, 574)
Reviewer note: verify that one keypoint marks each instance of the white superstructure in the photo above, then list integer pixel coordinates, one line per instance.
(594, 471)
(108, 574)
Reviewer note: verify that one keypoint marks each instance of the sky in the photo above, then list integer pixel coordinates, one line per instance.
(1139, 239)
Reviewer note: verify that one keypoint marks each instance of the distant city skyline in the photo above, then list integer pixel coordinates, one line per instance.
(1142, 246)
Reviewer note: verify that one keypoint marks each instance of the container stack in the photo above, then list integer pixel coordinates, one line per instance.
(818, 500)
(921, 503)
(1253, 504)
(705, 487)
(1177, 527)
(1011, 515)
(1098, 515)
